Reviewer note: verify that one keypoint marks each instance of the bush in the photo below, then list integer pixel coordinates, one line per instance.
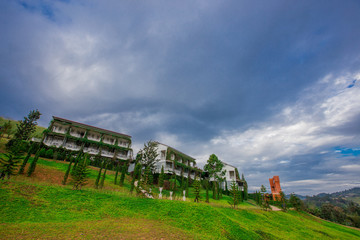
(42, 152)
(49, 153)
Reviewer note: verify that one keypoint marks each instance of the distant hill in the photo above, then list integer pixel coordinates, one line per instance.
(340, 199)
(37, 134)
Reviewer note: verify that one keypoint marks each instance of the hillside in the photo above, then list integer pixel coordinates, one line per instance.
(41, 208)
(340, 199)
(38, 133)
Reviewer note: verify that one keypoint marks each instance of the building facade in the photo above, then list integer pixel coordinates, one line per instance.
(76, 136)
(230, 176)
(176, 162)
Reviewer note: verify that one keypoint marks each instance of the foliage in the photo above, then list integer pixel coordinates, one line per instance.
(33, 164)
(33, 147)
(6, 128)
(283, 201)
(116, 173)
(9, 163)
(81, 173)
(43, 152)
(197, 189)
(123, 172)
(102, 180)
(207, 190)
(296, 202)
(161, 177)
(214, 167)
(49, 154)
(245, 186)
(66, 175)
(149, 155)
(99, 174)
(27, 126)
(136, 176)
(234, 194)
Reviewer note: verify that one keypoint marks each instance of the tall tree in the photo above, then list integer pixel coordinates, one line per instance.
(207, 190)
(148, 155)
(33, 147)
(245, 187)
(81, 174)
(123, 172)
(27, 126)
(9, 164)
(101, 184)
(117, 173)
(68, 169)
(136, 176)
(215, 169)
(102, 164)
(33, 164)
(234, 195)
(197, 189)
(161, 177)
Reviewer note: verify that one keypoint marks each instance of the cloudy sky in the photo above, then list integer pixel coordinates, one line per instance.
(270, 87)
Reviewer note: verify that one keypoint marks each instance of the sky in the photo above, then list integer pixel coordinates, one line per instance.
(271, 87)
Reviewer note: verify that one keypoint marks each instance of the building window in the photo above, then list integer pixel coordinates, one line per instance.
(232, 174)
(172, 156)
(162, 154)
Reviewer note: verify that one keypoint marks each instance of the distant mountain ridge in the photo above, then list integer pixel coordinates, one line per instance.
(340, 199)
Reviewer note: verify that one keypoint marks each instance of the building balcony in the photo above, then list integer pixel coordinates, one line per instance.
(59, 131)
(107, 154)
(53, 143)
(91, 150)
(121, 156)
(93, 139)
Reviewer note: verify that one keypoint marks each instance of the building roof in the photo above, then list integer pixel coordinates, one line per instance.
(91, 127)
(176, 150)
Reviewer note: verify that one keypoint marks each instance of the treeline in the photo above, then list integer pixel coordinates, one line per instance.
(336, 209)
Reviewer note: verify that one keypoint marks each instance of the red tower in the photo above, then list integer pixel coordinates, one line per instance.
(275, 187)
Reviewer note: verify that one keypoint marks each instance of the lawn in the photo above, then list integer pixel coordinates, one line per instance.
(41, 208)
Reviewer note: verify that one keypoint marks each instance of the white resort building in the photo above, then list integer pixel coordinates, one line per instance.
(92, 140)
(176, 162)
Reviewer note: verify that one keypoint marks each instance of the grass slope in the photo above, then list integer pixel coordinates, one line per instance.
(32, 208)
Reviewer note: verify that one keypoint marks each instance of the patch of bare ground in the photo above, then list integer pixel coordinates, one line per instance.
(122, 228)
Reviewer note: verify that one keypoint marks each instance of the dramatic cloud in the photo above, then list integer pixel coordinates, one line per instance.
(272, 88)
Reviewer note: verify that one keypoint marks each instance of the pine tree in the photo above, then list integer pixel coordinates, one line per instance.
(33, 164)
(101, 184)
(117, 173)
(81, 174)
(234, 194)
(207, 190)
(78, 157)
(123, 172)
(283, 201)
(136, 175)
(148, 155)
(23, 165)
(161, 177)
(197, 189)
(9, 164)
(99, 174)
(68, 170)
(245, 187)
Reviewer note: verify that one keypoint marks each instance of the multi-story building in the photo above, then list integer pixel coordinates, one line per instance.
(176, 162)
(89, 139)
(230, 176)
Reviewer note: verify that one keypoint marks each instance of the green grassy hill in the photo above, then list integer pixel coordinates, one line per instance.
(38, 133)
(41, 208)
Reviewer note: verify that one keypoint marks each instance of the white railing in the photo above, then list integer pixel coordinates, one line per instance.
(59, 131)
(75, 135)
(105, 154)
(121, 156)
(94, 139)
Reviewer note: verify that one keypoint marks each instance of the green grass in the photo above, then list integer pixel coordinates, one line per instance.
(38, 210)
